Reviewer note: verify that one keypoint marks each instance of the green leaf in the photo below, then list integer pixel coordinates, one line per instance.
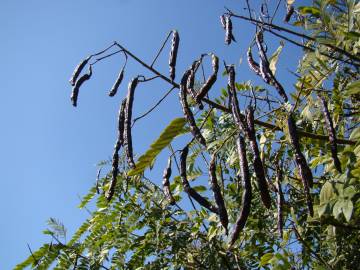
(353, 88)
(326, 192)
(309, 11)
(275, 57)
(175, 128)
(266, 258)
(347, 209)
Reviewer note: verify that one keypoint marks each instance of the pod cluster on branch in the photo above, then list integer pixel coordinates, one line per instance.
(332, 134)
(115, 157)
(166, 183)
(247, 126)
(195, 131)
(128, 117)
(78, 83)
(219, 200)
(188, 189)
(173, 53)
(247, 193)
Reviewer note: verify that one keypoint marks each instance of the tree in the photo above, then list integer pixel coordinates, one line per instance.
(283, 165)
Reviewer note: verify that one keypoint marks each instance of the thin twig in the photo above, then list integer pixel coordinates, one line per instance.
(160, 50)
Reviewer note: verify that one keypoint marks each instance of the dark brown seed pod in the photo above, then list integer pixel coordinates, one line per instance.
(332, 134)
(264, 67)
(115, 157)
(189, 190)
(280, 199)
(173, 53)
(117, 83)
(190, 87)
(78, 70)
(223, 21)
(252, 64)
(76, 88)
(228, 31)
(128, 117)
(289, 12)
(166, 183)
(217, 194)
(304, 170)
(257, 163)
(195, 131)
(247, 194)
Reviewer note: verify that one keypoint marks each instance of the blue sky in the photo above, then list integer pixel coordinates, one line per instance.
(49, 150)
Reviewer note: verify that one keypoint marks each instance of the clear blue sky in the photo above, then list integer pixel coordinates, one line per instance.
(49, 150)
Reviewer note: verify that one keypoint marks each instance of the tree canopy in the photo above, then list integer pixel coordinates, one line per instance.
(282, 163)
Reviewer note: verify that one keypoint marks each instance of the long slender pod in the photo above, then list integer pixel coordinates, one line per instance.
(128, 116)
(332, 134)
(188, 189)
(219, 200)
(304, 170)
(228, 31)
(258, 165)
(173, 53)
(252, 64)
(166, 183)
(195, 131)
(247, 194)
(78, 70)
(117, 83)
(115, 157)
(210, 81)
(280, 198)
(78, 83)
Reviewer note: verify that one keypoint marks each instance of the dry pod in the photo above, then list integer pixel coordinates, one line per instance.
(223, 21)
(252, 64)
(78, 70)
(304, 170)
(118, 144)
(332, 134)
(247, 194)
(79, 82)
(189, 190)
(166, 183)
(280, 199)
(219, 200)
(173, 53)
(195, 131)
(210, 81)
(289, 12)
(228, 31)
(257, 163)
(117, 83)
(128, 117)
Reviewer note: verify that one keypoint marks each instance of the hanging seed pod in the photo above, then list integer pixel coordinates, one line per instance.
(166, 183)
(258, 165)
(252, 64)
(195, 131)
(190, 87)
(264, 67)
(115, 157)
(79, 82)
(210, 81)
(280, 199)
(78, 70)
(289, 12)
(217, 194)
(332, 134)
(128, 117)
(189, 190)
(117, 83)
(228, 31)
(247, 194)
(173, 53)
(304, 170)
(223, 21)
